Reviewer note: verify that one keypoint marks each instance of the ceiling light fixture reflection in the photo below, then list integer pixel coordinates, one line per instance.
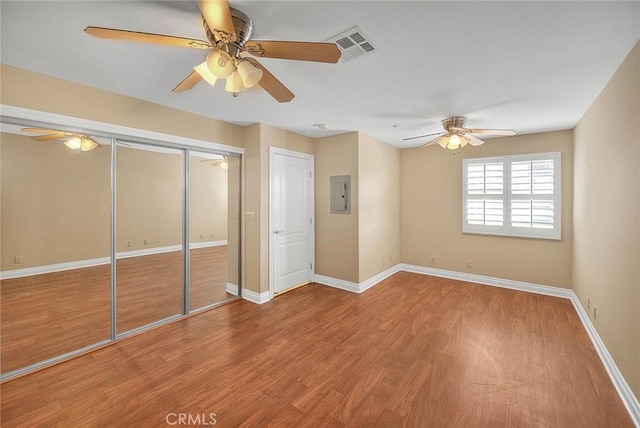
(82, 143)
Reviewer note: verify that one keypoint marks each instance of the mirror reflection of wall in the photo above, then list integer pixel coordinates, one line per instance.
(55, 241)
(149, 256)
(208, 237)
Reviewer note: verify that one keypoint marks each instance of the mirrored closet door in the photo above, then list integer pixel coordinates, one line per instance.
(214, 231)
(55, 240)
(149, 230)
(102, 237)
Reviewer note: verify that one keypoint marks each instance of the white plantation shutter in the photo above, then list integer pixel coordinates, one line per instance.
(512, 195)
(485, 188)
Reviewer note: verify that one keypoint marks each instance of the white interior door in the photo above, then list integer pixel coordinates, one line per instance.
(291, 219)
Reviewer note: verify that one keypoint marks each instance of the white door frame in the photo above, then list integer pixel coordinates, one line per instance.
(311, 238)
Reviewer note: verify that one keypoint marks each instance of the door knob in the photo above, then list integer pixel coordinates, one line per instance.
(278, 231)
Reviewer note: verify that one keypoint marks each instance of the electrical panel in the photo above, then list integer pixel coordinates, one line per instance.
(340, 190)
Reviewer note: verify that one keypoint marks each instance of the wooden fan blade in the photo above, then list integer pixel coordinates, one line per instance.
(422, 136)
(157, 39)
(431, 143)
(55, 136)
(491, 131)
(301, 51)
(474, 141)
(218, 16)
(189, 82)
(273, 86)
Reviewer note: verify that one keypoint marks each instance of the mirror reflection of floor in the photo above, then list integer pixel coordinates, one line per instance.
(47, 315)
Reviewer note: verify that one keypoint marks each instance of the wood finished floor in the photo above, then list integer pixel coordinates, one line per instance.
(413, 351)
(44, 316)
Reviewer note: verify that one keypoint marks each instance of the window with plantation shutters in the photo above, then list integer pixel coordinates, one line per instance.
(512, 195)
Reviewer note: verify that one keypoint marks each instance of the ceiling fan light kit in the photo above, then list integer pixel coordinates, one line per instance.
(250, 75)
(234, 84)
(220, 64)
(206, 74)
(453, 142)
(457, 136)
(228, 33)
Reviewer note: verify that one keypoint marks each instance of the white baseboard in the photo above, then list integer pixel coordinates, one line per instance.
(624, 391)
(58, 267)
(79, 264)
(337, 283)
(254, 297)
(488, 280)
(147, 251)
(232, 289)
(206, 244)
(355, 287)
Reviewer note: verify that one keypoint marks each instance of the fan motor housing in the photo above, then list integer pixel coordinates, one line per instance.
(242, 24)
(454, 122)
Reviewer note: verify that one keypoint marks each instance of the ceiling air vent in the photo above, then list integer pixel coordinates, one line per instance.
(353, 43)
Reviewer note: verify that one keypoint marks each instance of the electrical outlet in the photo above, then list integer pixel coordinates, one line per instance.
(469, 264)
(129, 243)
(17, 260)
(433, 259)
(145, 242)
(595, 313)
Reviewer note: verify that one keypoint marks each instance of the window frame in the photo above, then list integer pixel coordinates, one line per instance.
(507, 197)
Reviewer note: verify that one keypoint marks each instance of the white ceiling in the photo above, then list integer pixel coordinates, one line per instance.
(529, 66)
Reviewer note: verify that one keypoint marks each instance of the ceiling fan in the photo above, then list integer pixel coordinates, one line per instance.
(72, 140)
(456, 135)
(222, 163)
(231, 54)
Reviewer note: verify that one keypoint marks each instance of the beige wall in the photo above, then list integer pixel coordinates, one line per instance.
(431, 215)
(252, 189)
(258, 138)
(606, 260)
(337, 253)
(378, 206)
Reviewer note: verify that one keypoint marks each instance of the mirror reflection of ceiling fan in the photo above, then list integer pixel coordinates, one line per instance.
(72, 140)
(222, 163)
(229, 32)
(455, 135)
